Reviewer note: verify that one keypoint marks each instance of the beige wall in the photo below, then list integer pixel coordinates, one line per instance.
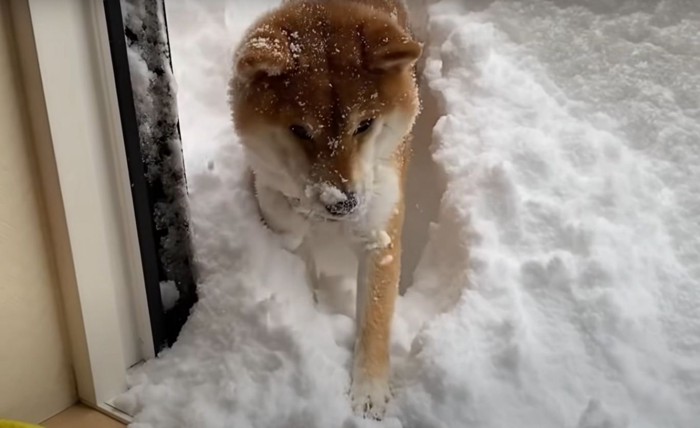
(35, 372)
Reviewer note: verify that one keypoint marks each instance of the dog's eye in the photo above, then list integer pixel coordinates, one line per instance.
(300, 132)
(364, 126)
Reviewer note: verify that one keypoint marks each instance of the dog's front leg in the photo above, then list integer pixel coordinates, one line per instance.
(378, 283)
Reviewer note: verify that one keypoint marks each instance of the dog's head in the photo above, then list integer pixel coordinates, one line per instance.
(322, 94)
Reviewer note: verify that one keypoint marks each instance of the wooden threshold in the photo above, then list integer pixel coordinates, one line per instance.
(81, 416)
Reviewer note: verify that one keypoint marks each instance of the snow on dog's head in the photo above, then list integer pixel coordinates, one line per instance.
(323, 93)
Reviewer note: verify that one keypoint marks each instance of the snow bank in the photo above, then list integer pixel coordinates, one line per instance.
(559, 287)
(577, 290)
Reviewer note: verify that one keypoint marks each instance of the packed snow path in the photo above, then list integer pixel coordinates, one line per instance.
(560, 283)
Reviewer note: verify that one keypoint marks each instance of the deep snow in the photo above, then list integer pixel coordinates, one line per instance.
(560, 283)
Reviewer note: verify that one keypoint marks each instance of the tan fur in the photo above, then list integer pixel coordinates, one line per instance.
(383, 281)
(328, 65)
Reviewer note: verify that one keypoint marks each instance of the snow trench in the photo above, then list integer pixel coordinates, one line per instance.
(553, 225)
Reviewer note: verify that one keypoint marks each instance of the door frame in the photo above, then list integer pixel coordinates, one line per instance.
(69, 80)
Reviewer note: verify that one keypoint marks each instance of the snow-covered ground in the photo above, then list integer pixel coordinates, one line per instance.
(560, 283)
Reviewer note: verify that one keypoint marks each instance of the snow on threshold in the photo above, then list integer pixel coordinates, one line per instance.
(560, 285)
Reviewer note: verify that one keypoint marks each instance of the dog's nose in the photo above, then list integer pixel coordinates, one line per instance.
(343, 208)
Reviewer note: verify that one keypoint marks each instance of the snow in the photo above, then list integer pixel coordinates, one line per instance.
(386, 260)
(560, 283)
(330, 195)
(378, 239)
(160, 145)
(169, 294)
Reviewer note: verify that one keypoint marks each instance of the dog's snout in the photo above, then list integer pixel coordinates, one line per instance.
(344, 207)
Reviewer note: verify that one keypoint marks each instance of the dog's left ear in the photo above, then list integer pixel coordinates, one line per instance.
(388, 48)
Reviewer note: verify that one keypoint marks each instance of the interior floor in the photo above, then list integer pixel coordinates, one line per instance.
(80, 416)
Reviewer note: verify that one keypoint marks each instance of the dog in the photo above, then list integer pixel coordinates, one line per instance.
(323, 96)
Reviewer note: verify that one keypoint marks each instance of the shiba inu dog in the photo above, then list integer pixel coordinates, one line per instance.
(324, 97)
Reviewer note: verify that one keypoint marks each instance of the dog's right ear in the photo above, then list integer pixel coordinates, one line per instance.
(264, 52)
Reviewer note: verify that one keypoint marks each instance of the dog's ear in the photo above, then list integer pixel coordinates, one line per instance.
(264, 52)
(388, 48)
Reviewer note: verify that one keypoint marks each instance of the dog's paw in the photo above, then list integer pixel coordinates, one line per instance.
(370, 398)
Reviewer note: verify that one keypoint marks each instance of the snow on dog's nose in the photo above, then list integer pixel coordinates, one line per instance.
(338, 202)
